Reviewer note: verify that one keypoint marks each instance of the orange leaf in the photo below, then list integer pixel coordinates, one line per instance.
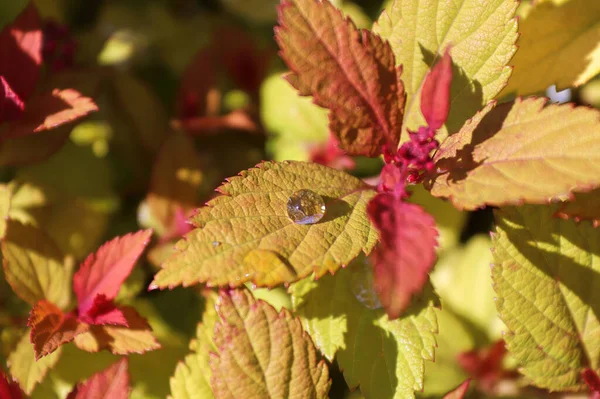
(50, 328)
(460, 391)
(350, 72)
(112, 383)
(136, 338)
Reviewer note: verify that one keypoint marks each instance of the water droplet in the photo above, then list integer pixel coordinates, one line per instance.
(216, 243)
(305, 207)
(361, 283)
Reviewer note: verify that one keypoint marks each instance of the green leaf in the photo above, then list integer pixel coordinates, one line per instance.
(482, 36)
(246, 234)
(295, 122)
(518, 152)
(34, 267)
(192, 377)
(5, 198)
(25, 369)
(462, 278)
(263, 353)
(546, 276)
(569, 58)
(386, 358)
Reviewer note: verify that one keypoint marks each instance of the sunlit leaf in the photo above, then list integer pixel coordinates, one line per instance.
(386, 358)
(110, 383)
(33, 265)
(352, 73)
(51, 328)
(263, 353)
(192, 376)
(247, 231)
(25, 369)
(406, 251)
(482, 35)
(522, 151)
(137, 337)
(103, 272)
(545, 276)
(558, 45)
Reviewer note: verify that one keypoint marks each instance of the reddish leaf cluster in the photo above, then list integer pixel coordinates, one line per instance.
(485, 365)
(96, 285)
(59, 46)
(408, 237)
(24, 111)
(111, 383)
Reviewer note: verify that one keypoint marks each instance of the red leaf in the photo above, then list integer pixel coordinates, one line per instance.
(103, 272)
(352, 73)
(21, 52)
(460, 391)
(104, 311)
(51, 328)
(11, 105)
(485, 364)
(47, 111)
(235, 120)
(197, 81)
(10, 389)
(435, 95)
(406, 251)
(330, 154)
(592, 380)
(112, 383)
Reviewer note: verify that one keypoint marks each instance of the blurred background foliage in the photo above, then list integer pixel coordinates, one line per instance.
(191, 92)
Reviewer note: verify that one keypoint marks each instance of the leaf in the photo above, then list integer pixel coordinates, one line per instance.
(385, 357)
(33, 265)
(248, 234)
(137, 337)
(192, 376)
(406, 251)
(350, 72)
(21, 51)
(47, 111)
(482, 36)
(25, 369)
(11, 105)
(112, 383)
(585, 206)
(281, 103)
(9, 389)
(435, 95)
(5, 199)
(103, 272)
(103, 311)
(262, 353)
(544, 58)
(51, 328)
(141, 108)
(460, 391)
(176, 178)
(545, 275)
(462, 279)
(519, 152)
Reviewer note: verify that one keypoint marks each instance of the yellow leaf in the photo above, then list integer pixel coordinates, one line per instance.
(559, 44)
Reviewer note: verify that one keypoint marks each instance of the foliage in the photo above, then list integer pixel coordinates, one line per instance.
(299, 199)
